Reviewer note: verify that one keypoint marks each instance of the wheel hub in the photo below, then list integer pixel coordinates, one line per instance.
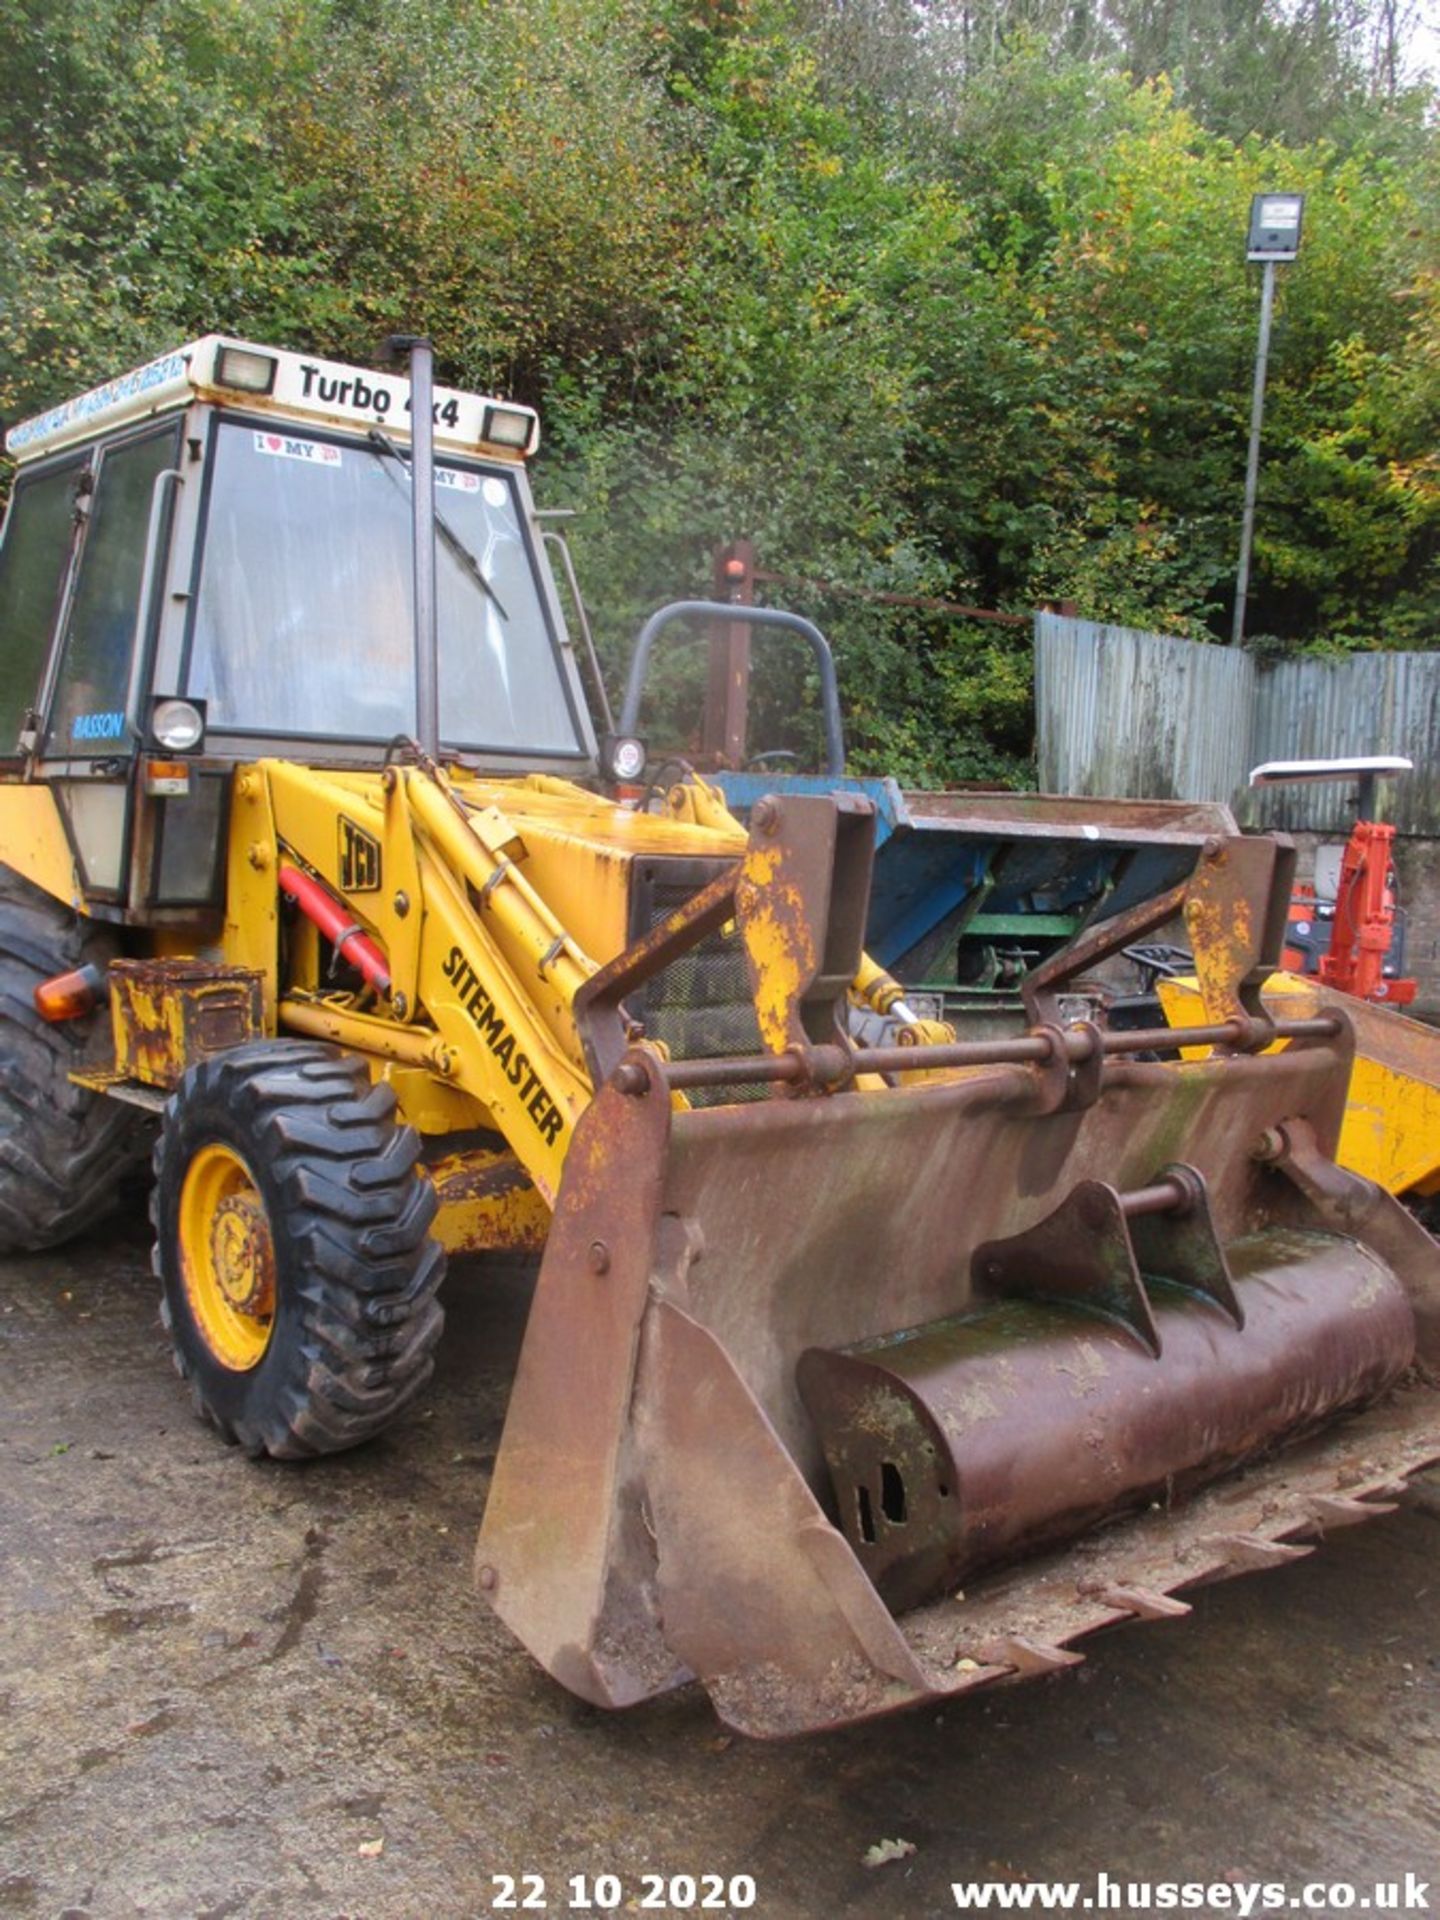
(243, 1255)
(227, 1257)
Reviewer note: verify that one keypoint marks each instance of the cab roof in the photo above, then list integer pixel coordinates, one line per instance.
(292, 386)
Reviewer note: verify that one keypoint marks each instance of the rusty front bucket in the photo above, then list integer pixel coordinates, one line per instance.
(798, 1368)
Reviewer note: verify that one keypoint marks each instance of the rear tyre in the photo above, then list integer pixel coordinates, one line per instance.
(293, 1250)
(64, 1151)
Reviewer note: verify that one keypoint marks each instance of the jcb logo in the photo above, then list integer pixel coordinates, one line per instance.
(359, 859)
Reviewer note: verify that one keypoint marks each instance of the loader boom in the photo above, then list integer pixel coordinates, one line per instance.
(475, 945)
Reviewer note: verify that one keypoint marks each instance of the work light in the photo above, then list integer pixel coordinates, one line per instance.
(508, 427)
(622, 756)
(245, 370)
(178, 725)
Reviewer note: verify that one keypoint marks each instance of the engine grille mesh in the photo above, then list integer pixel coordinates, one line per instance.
(700, 1006)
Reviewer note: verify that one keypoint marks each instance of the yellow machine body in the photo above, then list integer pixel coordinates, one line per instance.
(1391, 1133)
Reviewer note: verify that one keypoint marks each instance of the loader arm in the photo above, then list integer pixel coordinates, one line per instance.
(488, 990)
(484, 977)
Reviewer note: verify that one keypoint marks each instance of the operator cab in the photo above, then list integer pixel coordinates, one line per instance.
(210, 559)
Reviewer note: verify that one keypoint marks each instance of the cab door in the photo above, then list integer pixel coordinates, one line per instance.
(100, 667)
(41, 530)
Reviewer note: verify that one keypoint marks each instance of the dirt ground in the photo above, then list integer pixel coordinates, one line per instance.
(239, 1690)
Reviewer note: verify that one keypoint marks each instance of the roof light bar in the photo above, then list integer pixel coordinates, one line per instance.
(290, 386)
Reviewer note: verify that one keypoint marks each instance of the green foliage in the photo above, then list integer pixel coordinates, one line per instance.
(499, 173)
(943, 303)
(141, 194)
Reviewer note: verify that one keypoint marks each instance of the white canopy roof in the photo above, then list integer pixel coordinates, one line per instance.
(302, 387)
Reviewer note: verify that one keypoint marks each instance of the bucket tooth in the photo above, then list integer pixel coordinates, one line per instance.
(970, 1672)
(1145, 1603)
(1253, 1553)
(1026, 1658)
(1331, 1510)
(1388, 1490)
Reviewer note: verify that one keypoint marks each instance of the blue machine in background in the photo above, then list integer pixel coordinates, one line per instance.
(971, 891)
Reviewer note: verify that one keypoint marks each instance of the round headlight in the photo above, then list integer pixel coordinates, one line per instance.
(627, 759)
(177, 725)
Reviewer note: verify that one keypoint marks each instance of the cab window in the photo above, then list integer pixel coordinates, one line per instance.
(303, 620)
(33, 563)
(88, 718)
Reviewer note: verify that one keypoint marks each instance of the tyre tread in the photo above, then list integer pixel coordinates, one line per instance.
(357, 1213)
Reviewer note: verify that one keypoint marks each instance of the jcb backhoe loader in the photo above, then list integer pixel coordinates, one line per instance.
(865, 1366)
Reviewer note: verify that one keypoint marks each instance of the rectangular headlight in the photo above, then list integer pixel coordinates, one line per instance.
(508, 427)
(245, 371)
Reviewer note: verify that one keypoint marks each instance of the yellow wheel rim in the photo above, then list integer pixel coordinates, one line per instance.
(227, 1257)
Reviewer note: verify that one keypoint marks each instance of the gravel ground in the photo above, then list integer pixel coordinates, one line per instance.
(270, 1692)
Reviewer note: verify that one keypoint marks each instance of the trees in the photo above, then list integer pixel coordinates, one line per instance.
(940, 299)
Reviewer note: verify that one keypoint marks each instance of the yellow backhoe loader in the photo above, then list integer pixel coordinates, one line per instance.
(1391, 1132)
(865, 1366)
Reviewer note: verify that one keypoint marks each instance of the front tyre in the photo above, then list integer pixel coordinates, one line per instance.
(293, 1250)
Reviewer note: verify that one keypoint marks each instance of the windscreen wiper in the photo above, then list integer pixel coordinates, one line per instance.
(380, 439)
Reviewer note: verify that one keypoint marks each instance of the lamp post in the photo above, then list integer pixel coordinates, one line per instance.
(1274, 237)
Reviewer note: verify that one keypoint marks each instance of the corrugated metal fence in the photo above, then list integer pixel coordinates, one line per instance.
(1134, 714)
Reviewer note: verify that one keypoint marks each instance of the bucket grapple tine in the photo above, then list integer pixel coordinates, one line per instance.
(1081, 1253)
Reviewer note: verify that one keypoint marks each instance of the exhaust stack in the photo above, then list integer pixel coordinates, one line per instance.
(422, 497)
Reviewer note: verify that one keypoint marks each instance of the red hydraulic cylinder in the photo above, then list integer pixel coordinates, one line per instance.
(317, 903)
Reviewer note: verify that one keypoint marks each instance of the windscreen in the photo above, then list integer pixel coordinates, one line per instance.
(304, 621)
